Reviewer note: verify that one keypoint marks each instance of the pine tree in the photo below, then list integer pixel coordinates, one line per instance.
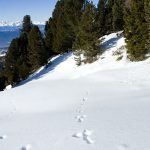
(57, 25)
(118, 9)
(10, 67)
(27, 24)
(16, 66)
(100, 18)
(37, 53)
(25, 53)
(147, 17)
(61, 28)
(109, 17)
(62, 41)
(73, 13)
(135, 30)
(86, 42)
(49, 36)
(22, 60)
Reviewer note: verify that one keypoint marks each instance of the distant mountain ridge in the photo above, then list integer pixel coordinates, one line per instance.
(18, 23)
(11, 30)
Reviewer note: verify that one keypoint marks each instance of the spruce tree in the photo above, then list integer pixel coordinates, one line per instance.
(16, 66)
(86, 42)
(118, 9)
(73, 11)
(61, 28)
(135, 30)
(62, 41)
(109, 17)
(147, 17)
(27, 24)
(25, 53)
(100, 18)
(22, 60)
(57, 25)
(10, 65)
(36, 50)
(49, 36)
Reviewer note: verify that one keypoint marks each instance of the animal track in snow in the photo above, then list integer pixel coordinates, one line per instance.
(77, 135)
(80, 108)
(88, 140)
(87, 132)
(84, 99)
(27, 147)
(85, 135)
(80, 118)
(3, 137)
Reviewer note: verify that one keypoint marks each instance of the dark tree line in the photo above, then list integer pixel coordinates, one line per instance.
(77, 25)
(25, 54)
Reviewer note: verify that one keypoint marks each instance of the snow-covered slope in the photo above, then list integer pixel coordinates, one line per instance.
(104, 105)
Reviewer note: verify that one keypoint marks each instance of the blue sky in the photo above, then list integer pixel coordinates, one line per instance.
(14, 10)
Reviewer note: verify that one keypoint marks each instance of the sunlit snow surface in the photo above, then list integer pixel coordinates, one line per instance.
(99, 106)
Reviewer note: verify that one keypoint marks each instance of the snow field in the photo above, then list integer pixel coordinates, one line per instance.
(99, 106)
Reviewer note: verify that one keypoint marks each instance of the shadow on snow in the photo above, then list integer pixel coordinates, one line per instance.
(110, 43)
(49, 67)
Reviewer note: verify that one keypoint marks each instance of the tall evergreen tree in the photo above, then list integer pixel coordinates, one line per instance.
(73, 11)
(16, 65)
(49, 36)
(118, 9)
(62, 41)
(147, 17)
(109, 17)
(57, 23)
(37, 53)
(25, 53)
(22, 60)
(61, 28)
(27, 24)
(135, 30)
(100, 18)
(86, 42)
(10, 65)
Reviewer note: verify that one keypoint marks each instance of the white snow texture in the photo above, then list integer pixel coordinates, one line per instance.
(100, 106)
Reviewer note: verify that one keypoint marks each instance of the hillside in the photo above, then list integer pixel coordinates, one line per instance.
(104, 105)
